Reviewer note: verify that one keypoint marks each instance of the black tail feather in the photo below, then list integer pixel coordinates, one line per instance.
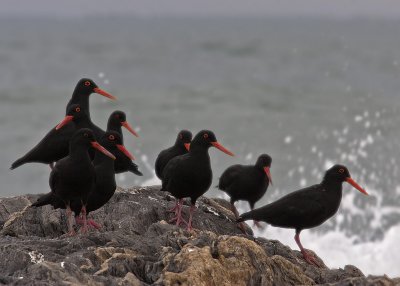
(245, 216)
(46, 199)
(135, 169)
(17, 163)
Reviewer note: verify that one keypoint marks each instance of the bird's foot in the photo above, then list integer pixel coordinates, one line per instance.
(257, 224)
(94, 224)
(310, 258)
(71, 233)
(174, 209)
(178, 220)
(84, 229)
(242, 227)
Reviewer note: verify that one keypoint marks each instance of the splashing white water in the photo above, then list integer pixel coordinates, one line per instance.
(337, 250)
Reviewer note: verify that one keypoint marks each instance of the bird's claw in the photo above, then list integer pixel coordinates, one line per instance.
(257, 224)
(242, 228)
(310, 259)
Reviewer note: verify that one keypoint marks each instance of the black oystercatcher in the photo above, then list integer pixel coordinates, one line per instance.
(105, 180)
(190, 175)
(122, 164)
(54, 145)
(247, 183)
(308, 207)
(73, 177)
(181, 146)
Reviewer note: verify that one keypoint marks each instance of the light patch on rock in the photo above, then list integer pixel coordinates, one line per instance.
(36, 257)
(62, 264)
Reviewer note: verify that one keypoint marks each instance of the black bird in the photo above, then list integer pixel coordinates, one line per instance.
(247, 183)
(73, 177)
(81, 120)
(54, 145)
(181, 146)
(190, 175)
(308, 207)
(122, 164)
(105, 181)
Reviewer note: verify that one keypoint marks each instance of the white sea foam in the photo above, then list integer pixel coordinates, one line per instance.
(337, 250)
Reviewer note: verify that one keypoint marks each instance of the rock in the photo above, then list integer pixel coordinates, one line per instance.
(136, 246)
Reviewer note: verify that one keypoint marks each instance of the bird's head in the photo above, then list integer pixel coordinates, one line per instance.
(184, 138)
(206, 139)
(340, 173)
(87, 86)
(119, 118)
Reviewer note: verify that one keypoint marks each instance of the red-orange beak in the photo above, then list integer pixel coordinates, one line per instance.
(127, 126)
(104, 93)
(126, 152)
(65, 121)
(103, 150)
(355, 185)
(268, 173)
(222, 148)
(187, 146)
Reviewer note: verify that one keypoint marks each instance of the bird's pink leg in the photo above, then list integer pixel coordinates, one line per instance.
(178, 218)
(70, 221)
(84, 228)
(175, 208)
(307, 256)
(192, 209)
(236, 213)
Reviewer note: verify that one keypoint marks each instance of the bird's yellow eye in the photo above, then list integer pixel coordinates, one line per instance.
(341, 171)
(87, 83)
(78, 109)
(111, 137)
(205, 135)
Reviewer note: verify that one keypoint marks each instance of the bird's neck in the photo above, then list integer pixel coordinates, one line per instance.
(81, 99)
(79, 152)
(179, 146)
(104, 161)
(114, 126)
(200, 152)
(332, 185)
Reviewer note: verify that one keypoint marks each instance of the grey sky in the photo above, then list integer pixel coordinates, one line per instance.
(78, 8)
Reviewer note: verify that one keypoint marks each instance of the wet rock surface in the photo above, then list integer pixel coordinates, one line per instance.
(136, 246)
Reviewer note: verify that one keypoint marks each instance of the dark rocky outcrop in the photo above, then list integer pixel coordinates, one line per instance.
(136, 246)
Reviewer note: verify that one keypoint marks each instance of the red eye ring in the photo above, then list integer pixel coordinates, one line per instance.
(111, 137)
(78, 109)
(341, 171)
(87, 83)
(205, 135)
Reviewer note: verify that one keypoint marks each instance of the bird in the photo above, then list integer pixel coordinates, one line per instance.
(54, 145)
(105, 184)
(123, 164)
(308, 207)
(181, 146)
(247, 183)
(190, 175)
(73, 177)
(81, 120)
